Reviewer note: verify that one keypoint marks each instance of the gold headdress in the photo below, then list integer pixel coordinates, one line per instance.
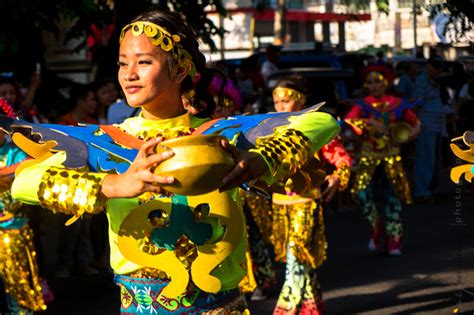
(166, 41)
(375, 75)
(294, 94)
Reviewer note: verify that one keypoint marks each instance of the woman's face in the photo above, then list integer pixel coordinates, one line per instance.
(7, 92)
(286, 103)
(375, 86)
(144, 74)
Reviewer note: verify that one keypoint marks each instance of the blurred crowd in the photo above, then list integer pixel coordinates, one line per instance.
(442, 90)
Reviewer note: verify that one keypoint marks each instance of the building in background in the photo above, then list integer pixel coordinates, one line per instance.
(330, 23)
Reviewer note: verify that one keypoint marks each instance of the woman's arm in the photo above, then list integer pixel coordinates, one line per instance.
(291, 146)
(410, 117)
(336, 155)
(282, 154)
(58, 189)
(76, 192)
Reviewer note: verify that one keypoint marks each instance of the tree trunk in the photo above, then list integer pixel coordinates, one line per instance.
(280, 23)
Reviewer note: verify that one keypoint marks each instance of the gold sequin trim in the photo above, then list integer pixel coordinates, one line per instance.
(283, 92)
(286, 151)
(344, 173)
(296, 228)
(9, 204)
(19, 268)
(70, 191)
(148, 273)
(168, 133)
(394, 170)
(163, 39)
(261, 209)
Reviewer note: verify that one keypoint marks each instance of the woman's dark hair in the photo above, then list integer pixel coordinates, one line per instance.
(175, 25)
(296, 82)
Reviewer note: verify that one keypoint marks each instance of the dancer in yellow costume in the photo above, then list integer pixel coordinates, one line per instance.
(298, 225)
(170, 253)
(18, 261)
(383, 123)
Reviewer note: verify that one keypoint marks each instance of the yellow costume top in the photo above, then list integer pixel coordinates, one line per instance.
(206, 243)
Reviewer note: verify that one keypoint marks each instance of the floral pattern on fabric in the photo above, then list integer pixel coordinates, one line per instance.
(301, 290)
(144, 296)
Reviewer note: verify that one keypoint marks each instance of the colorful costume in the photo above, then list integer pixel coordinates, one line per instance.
(377, 149)
(260, 272)
(466, 155)
(18, 265)
(170, 254)
(299, 238)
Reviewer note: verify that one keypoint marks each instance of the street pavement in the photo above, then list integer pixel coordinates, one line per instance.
(435, 274)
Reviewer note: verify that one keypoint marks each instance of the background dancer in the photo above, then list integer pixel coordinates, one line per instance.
(383, 123)
(298, 225)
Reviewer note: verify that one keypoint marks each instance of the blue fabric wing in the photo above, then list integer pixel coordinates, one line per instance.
(247, 128)
(104, 155)
(84, 145)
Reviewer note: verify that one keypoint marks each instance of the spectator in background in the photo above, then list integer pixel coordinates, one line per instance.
(406, 83)
(465, 105)
(269, 66)
(106, 94)
(380, 58)
(464, 92)
(22, 104)
(250, 83)
(84, 105)
(427, 144)
(74, 246)
(120, 110)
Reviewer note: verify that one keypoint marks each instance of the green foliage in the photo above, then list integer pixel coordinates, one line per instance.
(193, 13)
(461, 18)
(356, 5)
(21, 16)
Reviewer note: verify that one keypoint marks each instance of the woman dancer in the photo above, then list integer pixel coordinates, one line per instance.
(190, 260)
(18, 259)
(298, 225)
(382, 121)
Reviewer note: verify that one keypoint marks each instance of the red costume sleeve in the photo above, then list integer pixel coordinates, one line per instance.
(354, 113)
(410, 117)
(353, 119)
(335, 153)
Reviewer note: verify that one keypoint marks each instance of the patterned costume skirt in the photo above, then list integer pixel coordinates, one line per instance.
(143, 296)
(299, 227)
(18, 266)
(260, 271)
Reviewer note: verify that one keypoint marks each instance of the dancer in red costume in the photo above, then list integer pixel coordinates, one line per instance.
(383, 122)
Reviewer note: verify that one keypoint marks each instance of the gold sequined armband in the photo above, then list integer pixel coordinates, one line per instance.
(344, 172)
(286, 151)
(70, 191)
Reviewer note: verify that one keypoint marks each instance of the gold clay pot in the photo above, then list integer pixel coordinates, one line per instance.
(400, 132)
(198, 165)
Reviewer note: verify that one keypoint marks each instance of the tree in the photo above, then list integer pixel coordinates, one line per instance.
(460, 18)
(279, 24)
(24, 20)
